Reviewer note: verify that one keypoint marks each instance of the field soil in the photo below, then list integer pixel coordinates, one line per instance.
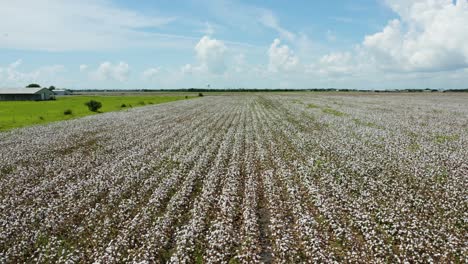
(246, 178)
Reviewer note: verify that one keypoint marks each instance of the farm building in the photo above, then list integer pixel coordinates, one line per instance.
(25, 94)
(62, 92)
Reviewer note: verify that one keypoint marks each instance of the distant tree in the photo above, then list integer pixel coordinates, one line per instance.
(51, 88)
(33, 85)
(93, 106)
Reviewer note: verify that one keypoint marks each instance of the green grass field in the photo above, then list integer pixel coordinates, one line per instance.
(15, 114)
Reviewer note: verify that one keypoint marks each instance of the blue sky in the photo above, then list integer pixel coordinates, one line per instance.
(367, 44)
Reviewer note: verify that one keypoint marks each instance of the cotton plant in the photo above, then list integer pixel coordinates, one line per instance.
(311, 178)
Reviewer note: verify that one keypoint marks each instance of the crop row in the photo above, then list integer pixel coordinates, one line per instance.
(249, 178)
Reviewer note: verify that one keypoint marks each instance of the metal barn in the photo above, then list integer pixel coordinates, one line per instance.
(25, 94)
(62, 92)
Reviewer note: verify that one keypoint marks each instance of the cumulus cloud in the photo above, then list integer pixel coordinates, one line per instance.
(430, 35)
(108, 71)
(83, 67)
(188, 69)
(336, 64)
(281, 57)
(13, 75)
(150, 73)
(211, 55)
(239, 63)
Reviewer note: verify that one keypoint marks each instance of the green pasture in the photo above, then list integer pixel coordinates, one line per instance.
(15, 114)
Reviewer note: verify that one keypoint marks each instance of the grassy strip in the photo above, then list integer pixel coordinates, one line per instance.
(14, 114)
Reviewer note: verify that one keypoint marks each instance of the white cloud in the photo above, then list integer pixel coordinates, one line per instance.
(186, 69)
(211, 55)
(430, 35)
(268, 19)
(192, 69)
(151, 73)
(336, 64)
(71, 25)
(16, 64)
(83, 67)
(12, 75)
(281, 57)
(108, 71)
(336, 58)
(427, 37)
(239, 63)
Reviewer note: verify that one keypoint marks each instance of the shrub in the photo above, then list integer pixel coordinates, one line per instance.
(68, 112)
(41, 117)
(200, 94)
(93, 105)
(123, 105)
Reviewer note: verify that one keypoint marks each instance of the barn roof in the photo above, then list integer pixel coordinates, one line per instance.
(21, 90)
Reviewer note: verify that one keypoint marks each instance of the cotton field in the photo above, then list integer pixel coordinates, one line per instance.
(246, 178)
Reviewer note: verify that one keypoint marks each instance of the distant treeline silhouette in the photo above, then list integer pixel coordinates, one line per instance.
(197, 90)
